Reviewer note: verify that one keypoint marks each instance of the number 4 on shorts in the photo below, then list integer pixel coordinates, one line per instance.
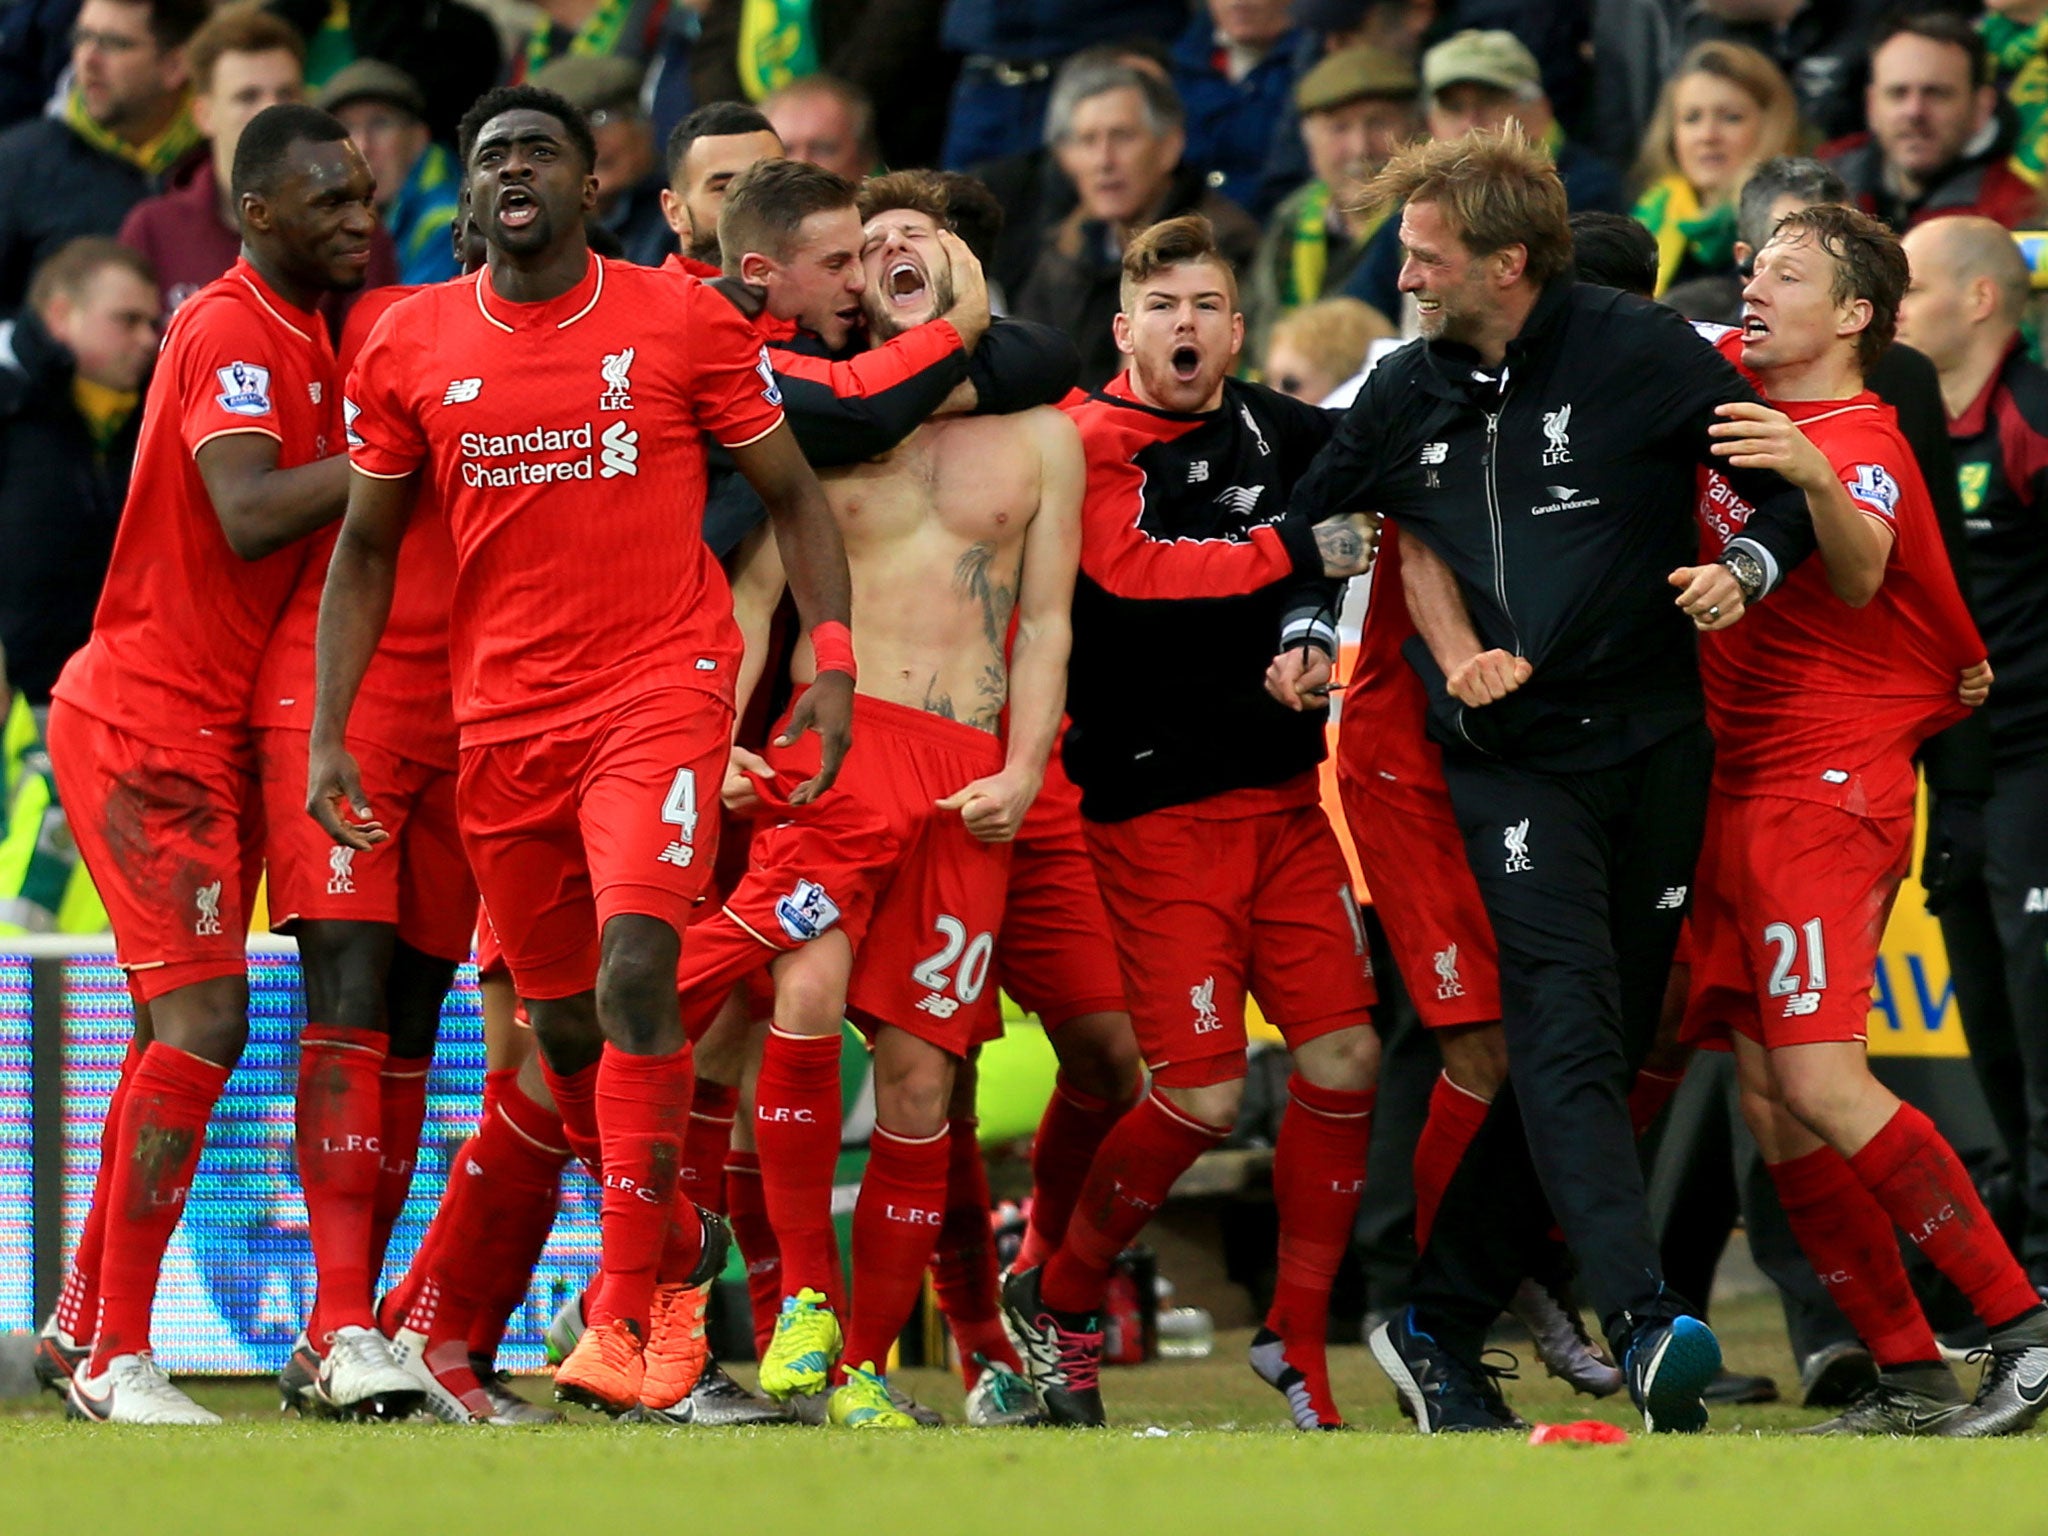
(680, 811)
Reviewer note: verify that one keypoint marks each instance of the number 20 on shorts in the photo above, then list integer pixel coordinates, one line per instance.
(960, 966)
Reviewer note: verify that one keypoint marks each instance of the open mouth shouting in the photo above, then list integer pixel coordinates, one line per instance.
(905, 287)
(517, 208)
(1186, 362)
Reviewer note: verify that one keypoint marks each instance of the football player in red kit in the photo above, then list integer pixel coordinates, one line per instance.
(1817, 705)
(557, 401)
(150, 733)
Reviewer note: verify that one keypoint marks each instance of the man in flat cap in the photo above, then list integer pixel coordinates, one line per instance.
(418, 181)
(1357, 107)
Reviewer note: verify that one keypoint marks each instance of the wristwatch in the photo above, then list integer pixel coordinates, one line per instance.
(1748, 572)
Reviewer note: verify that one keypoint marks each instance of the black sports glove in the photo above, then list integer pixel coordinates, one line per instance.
(1955, 849)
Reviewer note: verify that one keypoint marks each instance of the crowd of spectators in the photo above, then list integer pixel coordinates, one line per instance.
(119, 119)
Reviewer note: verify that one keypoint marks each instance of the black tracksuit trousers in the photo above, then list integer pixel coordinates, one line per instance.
(1586, 877)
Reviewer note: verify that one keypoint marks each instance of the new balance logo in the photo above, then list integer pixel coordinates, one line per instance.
(1802, 1005)
(1516, 840)
(341, 872)
(1202, 998)
(207, 899)
(1241, 499)
(2037, 900)
(1435, 453)
(1198, 471)
(1673, 898)
(680, 854)
(1448, 985)
(621, 451)
(938, 1005)
(461, 391)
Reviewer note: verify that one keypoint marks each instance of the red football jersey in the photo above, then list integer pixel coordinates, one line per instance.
(1381, 739)
(1810, 698)
(406, 703)
(183, 621)
(562, 439)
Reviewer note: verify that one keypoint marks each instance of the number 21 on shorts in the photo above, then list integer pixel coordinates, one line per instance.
(960, 966)
(679, 810)
(1800, 998)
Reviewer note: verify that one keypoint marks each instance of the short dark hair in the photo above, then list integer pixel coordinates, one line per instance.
(767, 203)
(1614, 251)
(1870, 264)
(172, 22)
(1935, 27)
(77, 262)
(1781, 176)
(261, 151)
(975, 211)
(239, 29)
(715, 120)
(499, 100)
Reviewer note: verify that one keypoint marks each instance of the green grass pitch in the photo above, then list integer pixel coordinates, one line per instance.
(1224, 1465)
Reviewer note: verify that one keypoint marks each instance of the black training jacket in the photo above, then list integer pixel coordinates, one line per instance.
(1561, 491)
(1190, 580)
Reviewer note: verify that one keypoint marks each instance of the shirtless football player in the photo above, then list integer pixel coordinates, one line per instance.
(882, 900)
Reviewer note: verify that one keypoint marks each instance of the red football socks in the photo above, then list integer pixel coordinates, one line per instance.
(1070, 1133)
(796, 1135)
(1318, 1175)
(575, 1096)
(1150, 1147)
(747, 1209)
(340, 1120)
(706, 1140)
(1922, 1186)
(643, 1103)
(964, 1263)
(1648, 1095)
(78, 1303)
(895, 1227)
(1852, 1246)
(163, 1125)
(402, 1099)
(1455, 1116)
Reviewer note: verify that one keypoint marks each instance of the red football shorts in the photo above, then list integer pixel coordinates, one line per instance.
(1789, 911)
(917, 896)
(1413, 859)
(1054, 954)
(418, 879)
(613, 815)
(1221, 898)
(173, 840)
(490, 954)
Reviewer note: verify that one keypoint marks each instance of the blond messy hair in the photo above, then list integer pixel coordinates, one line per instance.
(1497, 190)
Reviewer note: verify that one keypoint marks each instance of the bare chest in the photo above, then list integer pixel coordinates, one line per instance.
(970, 481)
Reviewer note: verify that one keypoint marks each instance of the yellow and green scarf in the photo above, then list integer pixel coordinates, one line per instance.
(155, 157)
(599, 34)
(778, 44)
(2020, 52)
(1671, 211)
(1308, 255)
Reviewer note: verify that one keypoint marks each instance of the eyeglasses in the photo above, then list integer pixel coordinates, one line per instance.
(105, 42)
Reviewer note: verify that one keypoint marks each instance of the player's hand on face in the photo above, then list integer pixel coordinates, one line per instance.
(1753, 436)
(970, 311)
(1488, 678)
(1709, 594)
(827, 708)
(1300, 678)
(993, 808)
(334, 795)
(741, 793)
(1976, 684)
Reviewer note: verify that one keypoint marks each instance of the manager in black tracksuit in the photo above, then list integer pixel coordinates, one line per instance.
(1545, 447)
